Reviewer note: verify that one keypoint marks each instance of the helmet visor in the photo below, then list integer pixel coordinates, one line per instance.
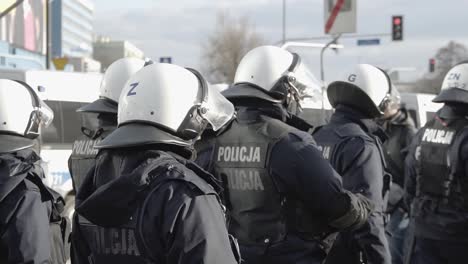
(306, 83)
(391, 101)
(308, 87)
(216, 109)
(46, 115)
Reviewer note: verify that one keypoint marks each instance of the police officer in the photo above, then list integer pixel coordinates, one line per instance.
(351, 141)
(146, 201)
(400, 129)
(283, 198)
(436, 180)
(100, 117)
(27, 206)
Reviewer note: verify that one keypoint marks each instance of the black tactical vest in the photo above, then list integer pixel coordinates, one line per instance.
(241, 155)
(83, 157)
(437, 168)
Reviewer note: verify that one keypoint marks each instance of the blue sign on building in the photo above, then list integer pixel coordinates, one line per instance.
(368, 42)
(165, 59)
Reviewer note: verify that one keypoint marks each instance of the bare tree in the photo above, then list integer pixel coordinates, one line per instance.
(225, 47)
(446, 58)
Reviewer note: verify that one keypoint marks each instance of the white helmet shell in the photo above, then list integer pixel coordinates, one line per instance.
(364, 87)
(21, 114)
(117, 75)
(273, 74)
(113, 81)
(455, 85)
(141, 99)
(263, 66)
(169, 103)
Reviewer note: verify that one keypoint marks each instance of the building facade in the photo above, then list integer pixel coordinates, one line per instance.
(23, 35)
(107, 51)
(72, 28)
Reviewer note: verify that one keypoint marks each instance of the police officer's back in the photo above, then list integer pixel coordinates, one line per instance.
(283, 198)
(436, 179)
(352, 143)
(100, 117)
(30, 221)
(146, 201)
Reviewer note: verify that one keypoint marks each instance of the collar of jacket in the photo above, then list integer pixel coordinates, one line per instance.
(345, 114)
(402, 118)
(451, 112)
(14, 167)
(250, 112)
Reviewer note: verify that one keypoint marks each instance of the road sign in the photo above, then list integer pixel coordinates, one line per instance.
(60, 63)
(165, 59)
(368, 42)
(340, 16)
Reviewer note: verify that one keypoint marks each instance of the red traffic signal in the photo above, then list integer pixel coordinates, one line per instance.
(432, 63)
(397, 28)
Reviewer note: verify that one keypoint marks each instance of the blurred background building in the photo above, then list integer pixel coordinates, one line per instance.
(72, 28)
(23, 34)
(107, 51)
(28, 26)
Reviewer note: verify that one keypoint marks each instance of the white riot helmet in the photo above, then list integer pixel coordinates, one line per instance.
(273, 74)
(455, 85)
(167, 104)
(112, 83)
(365, 88)
(22, 113)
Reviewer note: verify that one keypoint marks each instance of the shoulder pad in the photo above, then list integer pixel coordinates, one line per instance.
(179, 170)
(276, 129)
(351, 130)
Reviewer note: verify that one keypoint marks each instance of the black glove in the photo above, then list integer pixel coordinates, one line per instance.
(359, 210)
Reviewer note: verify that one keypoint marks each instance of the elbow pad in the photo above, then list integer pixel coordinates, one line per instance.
(359, 210)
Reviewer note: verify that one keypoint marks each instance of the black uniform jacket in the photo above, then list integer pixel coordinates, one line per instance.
(352, 144)
(298, 170)
(171, 201)
(24, 217)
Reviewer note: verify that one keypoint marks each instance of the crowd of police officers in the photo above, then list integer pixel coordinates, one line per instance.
(175, 172)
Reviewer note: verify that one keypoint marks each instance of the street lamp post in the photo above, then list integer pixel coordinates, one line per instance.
(322, 71)
(333, 41)
(284, 21)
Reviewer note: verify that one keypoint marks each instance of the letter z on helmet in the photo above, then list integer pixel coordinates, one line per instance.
(272, 74)
(455, 85)
(167, 104)
(113, 81)
(364, 87)
(22, 113)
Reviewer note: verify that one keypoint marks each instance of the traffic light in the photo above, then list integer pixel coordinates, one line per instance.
(432, 65)
(397, 28)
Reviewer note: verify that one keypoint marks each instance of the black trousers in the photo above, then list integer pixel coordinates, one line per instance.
(292, 250)
(429, 251)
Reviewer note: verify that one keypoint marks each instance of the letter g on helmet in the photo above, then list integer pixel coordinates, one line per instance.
(364, 87)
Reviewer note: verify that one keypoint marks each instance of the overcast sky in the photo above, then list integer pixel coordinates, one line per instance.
(177, 28)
